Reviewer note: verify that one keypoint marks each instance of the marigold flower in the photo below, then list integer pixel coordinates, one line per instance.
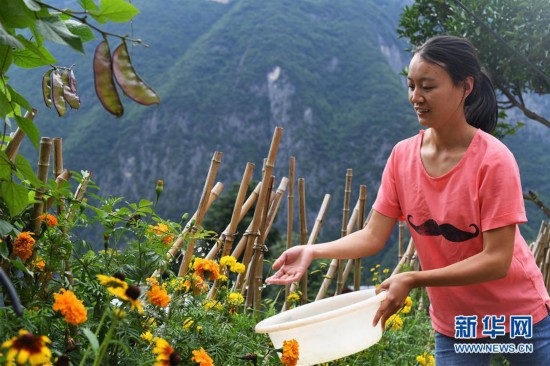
(235, 298)
(237, 268)
(291, 353)
(162, 230)
(39, 264)
(223, 278)
(213, 304)
(293, 297)
(158, 295)
(425, 359)
(228, 260)
(119, 313)
(202, 358)
(394, 322)
(407, 305)
(147, 336)
(70, 307)
(206, 268)
(27, 348)
(48, 219)
(188, 323)
(23, 245)
(166, 356)
(194, 283)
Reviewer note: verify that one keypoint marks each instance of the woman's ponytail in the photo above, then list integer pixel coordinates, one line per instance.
(481, 106)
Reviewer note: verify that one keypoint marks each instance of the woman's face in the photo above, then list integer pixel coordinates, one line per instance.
(436, 100)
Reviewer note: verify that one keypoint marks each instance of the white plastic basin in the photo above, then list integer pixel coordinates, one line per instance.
(327, 329)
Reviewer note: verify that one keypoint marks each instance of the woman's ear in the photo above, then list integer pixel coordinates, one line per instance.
(468, 86)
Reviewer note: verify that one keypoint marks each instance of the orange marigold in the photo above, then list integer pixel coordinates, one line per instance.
(202, 358)
(70, 307)
(158, 295)
(206, 268)
(49, 220)
(24, 245)
(291, 353)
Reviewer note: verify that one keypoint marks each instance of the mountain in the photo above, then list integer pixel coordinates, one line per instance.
(228, 73)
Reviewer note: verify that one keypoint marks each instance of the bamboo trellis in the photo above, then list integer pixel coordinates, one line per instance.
(541, 251)
(344, 232)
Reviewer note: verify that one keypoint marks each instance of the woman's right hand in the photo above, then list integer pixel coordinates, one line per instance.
(291, 265)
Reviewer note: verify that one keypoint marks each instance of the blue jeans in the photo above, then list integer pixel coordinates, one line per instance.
(445, 354)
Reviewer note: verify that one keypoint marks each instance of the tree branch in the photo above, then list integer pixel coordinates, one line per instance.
(526, 111)
(532, 196)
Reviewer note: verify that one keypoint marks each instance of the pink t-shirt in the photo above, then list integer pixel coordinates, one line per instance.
(447, 215)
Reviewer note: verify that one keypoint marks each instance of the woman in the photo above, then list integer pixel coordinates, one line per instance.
(459, 189)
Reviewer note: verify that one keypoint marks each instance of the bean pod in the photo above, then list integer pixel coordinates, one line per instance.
(57, 93)
(103, 78)
(129, 81)
(69, 88)
(47, 88)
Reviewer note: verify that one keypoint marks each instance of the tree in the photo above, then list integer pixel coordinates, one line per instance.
(512, 37)
(513, 41)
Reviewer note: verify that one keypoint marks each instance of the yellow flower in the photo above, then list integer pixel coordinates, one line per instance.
(48, 219)
(235, 298)
(158, 295)
(188, 323)
(223, 278)
(394, 322)
(70, 307)
(206, 268)
(202, 358)
(407, 305)
(166, 356)
(386, 270)
(425, 359)
(23, 245)
(130, 294)
(212, 304)
(147, 336)
(39, 264)
(112, 282)
(293, 297)
(163, 231)
(228, 260)
(237, 268)
(119, 313)
(28, 349)
(291, 353)
(193, 283)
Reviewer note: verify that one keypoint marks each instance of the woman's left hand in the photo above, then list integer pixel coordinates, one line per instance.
(398, 287)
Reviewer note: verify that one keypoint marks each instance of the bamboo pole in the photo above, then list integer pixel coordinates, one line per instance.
(345, 216)
(58, 167)
(239, 248)
(240, 209)
(313, 236)
(178, 243)
(361, 225)
(43, 167)
(211, 177)
(64, 176)
(303, 231)
(78, 196)
(274, 207)
(12, 148)
(333, 266)
(262, 200)
(290, 212)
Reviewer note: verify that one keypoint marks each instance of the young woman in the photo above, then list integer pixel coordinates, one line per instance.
(459, 189)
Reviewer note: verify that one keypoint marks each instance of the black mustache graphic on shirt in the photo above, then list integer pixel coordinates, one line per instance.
(448, 231)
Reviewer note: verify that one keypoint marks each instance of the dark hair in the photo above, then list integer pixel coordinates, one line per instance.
(459, 58)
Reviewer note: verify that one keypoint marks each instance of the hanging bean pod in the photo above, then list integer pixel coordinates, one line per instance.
(129, 81)
(103, 78)
(46, 88)
(57, 92)
(69, 93)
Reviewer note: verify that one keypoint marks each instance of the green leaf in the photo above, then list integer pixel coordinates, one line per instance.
(118, 11)
(18, 98)
(6, 228)
(92, 338)
(29, 128)
(15, 197)
(8, 39)
(32, 55)
(26, 170)
(14, 14)
(32, 5)
(4, 253)
(5, 107)
(55, 30)
(80, 29)
(21, 266)
(5, 167)
(88, 5)
(6, 54)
